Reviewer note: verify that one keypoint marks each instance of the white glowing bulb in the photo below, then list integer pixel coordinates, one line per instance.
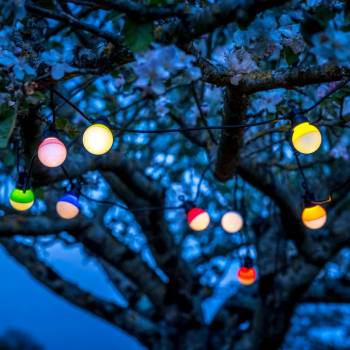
(232, 222)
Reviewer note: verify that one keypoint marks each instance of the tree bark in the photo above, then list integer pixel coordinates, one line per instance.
(235, 105)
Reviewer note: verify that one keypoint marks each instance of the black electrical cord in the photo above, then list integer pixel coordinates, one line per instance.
(235, 191)
(163, 131)
(106, 202)
(53, 109)
(17, 156)
(198, 191)
(73, 106)
(29, 175)
(199, 128)
(329, 94)
(175, 130)
(66, 174)
(304, 182)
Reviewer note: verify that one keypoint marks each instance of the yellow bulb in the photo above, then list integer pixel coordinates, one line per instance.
(98, 139)
(314, 217)
(306, 138)
(21, 206)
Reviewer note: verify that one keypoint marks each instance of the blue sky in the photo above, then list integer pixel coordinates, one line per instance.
(54, 323)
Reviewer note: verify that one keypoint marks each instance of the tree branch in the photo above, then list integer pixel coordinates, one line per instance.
(61, 16)
(235, 105)
(12, 225)
(181, 283)
(126, 319)
(253, 174)
(208, 19)
(136, 300)
(328, 290)
(286, 77)
(137, 11)
(98, 240)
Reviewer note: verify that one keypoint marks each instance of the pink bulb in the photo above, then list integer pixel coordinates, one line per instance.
(52, 152)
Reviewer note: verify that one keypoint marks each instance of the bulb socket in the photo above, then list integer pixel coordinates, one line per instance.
(248, 262)
(297, 118)
(188, 205)
(102, 120)
(21, 180)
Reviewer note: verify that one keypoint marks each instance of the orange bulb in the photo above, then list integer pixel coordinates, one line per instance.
(246, 275)
(314, 217)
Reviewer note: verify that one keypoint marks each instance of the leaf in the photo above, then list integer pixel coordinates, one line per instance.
(7, 123)
(290, 56)
(65, 126)
(9, 159)
(7, 59)
(19, 74)
(309, 27)
(39, 193)
(138, 35)
(57, 71)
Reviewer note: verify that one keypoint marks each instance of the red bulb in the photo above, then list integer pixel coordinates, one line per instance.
(198, 219)
(246, 275)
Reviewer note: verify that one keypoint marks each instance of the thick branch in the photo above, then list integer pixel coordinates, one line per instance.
(98, 240)
(276, 304)
(235, 105)
(135, 10)
(253, 174)
(331, 291)
(285, 77)
(125, 319)
(113, 161)
(136, 190)
(181, 283)
(136, 300)
(208, 19)
(32, 226)
(68, 19)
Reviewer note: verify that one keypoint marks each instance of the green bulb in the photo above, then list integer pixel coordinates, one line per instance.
(22, 200)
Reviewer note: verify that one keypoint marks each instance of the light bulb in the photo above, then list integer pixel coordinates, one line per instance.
(306, 138)
(98, 139)
(68, 206)
(246, 275)
(22, 200)
(232, 222)
(52, 152)
(314, 217)
(198, 219)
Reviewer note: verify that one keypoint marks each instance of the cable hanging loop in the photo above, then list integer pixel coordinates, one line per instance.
(53, 110)
(77, 109)
(304, 182)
